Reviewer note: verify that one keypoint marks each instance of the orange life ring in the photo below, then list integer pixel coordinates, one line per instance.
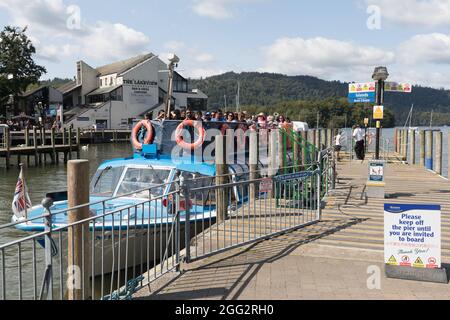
(179, 134)
(148, 137)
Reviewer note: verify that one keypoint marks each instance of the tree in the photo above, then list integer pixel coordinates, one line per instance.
(16, 59)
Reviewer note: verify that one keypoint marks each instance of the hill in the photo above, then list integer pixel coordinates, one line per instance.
(267, 90)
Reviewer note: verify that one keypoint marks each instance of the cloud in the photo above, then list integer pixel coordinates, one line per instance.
(47, 22)
(204, 58)
(198, 73)
(217, 9)
(425, 48)
(174, 45)
(428, 13)
(322, 57)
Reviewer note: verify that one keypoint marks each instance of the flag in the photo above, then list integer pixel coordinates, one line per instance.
(21, 202)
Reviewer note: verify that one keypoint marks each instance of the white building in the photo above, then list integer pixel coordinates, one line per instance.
(115, 95)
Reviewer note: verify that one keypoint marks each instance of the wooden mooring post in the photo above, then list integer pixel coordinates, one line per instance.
(438, 155)
(221, 178)
(429, 150)
(412, 147)
(254, 161)
(7, 139)
(422, 148)
(78, 235)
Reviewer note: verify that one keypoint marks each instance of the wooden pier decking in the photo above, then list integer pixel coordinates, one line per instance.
(331, 259)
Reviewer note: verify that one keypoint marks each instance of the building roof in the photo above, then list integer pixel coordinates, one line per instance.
(33, 91)
(104, 90)
(67, 87)
(124, 65)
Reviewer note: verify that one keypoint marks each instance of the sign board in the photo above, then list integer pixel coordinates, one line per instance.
(378, 112)
(294, 176)
(376, 171)
(361, 92)
(398, 87)
(412, 235)
(266, 185)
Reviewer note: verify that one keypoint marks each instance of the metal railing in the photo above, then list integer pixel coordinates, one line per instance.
(120, 249)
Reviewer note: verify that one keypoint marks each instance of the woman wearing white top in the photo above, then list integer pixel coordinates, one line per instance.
(338, 145)
(360, 147)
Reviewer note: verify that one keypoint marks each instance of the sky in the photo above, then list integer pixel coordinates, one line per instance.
(333, 40)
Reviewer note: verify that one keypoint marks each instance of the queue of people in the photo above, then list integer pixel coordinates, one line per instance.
(260, 121)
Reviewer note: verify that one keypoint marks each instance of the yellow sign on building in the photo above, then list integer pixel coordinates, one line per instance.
(378, 112)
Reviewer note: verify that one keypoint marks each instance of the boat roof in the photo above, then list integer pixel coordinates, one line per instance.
(183, 164)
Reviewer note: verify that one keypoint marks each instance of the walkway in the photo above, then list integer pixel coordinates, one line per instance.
(328, 260)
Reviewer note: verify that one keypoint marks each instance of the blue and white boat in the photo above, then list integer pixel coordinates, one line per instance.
(132, 200)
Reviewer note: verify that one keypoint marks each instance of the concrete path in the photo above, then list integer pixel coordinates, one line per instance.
(341, 257)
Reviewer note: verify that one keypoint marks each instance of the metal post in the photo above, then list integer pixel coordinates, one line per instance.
(379, 102)
(48, 275)
(185, 194)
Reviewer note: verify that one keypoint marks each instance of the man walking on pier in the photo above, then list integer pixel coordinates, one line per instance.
(358, 135)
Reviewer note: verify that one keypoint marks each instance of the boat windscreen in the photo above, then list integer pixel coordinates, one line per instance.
(149, 179)
(105, 181)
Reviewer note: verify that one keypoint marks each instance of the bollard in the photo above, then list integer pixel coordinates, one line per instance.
(412, 147)
(438, 156)
(78, 235)
(221, 178)
(429, 150)
(254, 161)
(422, 148)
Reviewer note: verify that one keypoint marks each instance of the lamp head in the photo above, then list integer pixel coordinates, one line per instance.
(380, 73)
(173, 58)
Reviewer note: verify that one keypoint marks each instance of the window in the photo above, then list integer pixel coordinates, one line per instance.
(179, 83)
(105, 181)
(148, 179)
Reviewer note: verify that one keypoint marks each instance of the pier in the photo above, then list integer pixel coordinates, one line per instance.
(48, 146)
(331, 259)
(301, 228)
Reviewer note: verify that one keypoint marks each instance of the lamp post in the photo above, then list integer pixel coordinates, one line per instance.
(173, 62)
(380, 75)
